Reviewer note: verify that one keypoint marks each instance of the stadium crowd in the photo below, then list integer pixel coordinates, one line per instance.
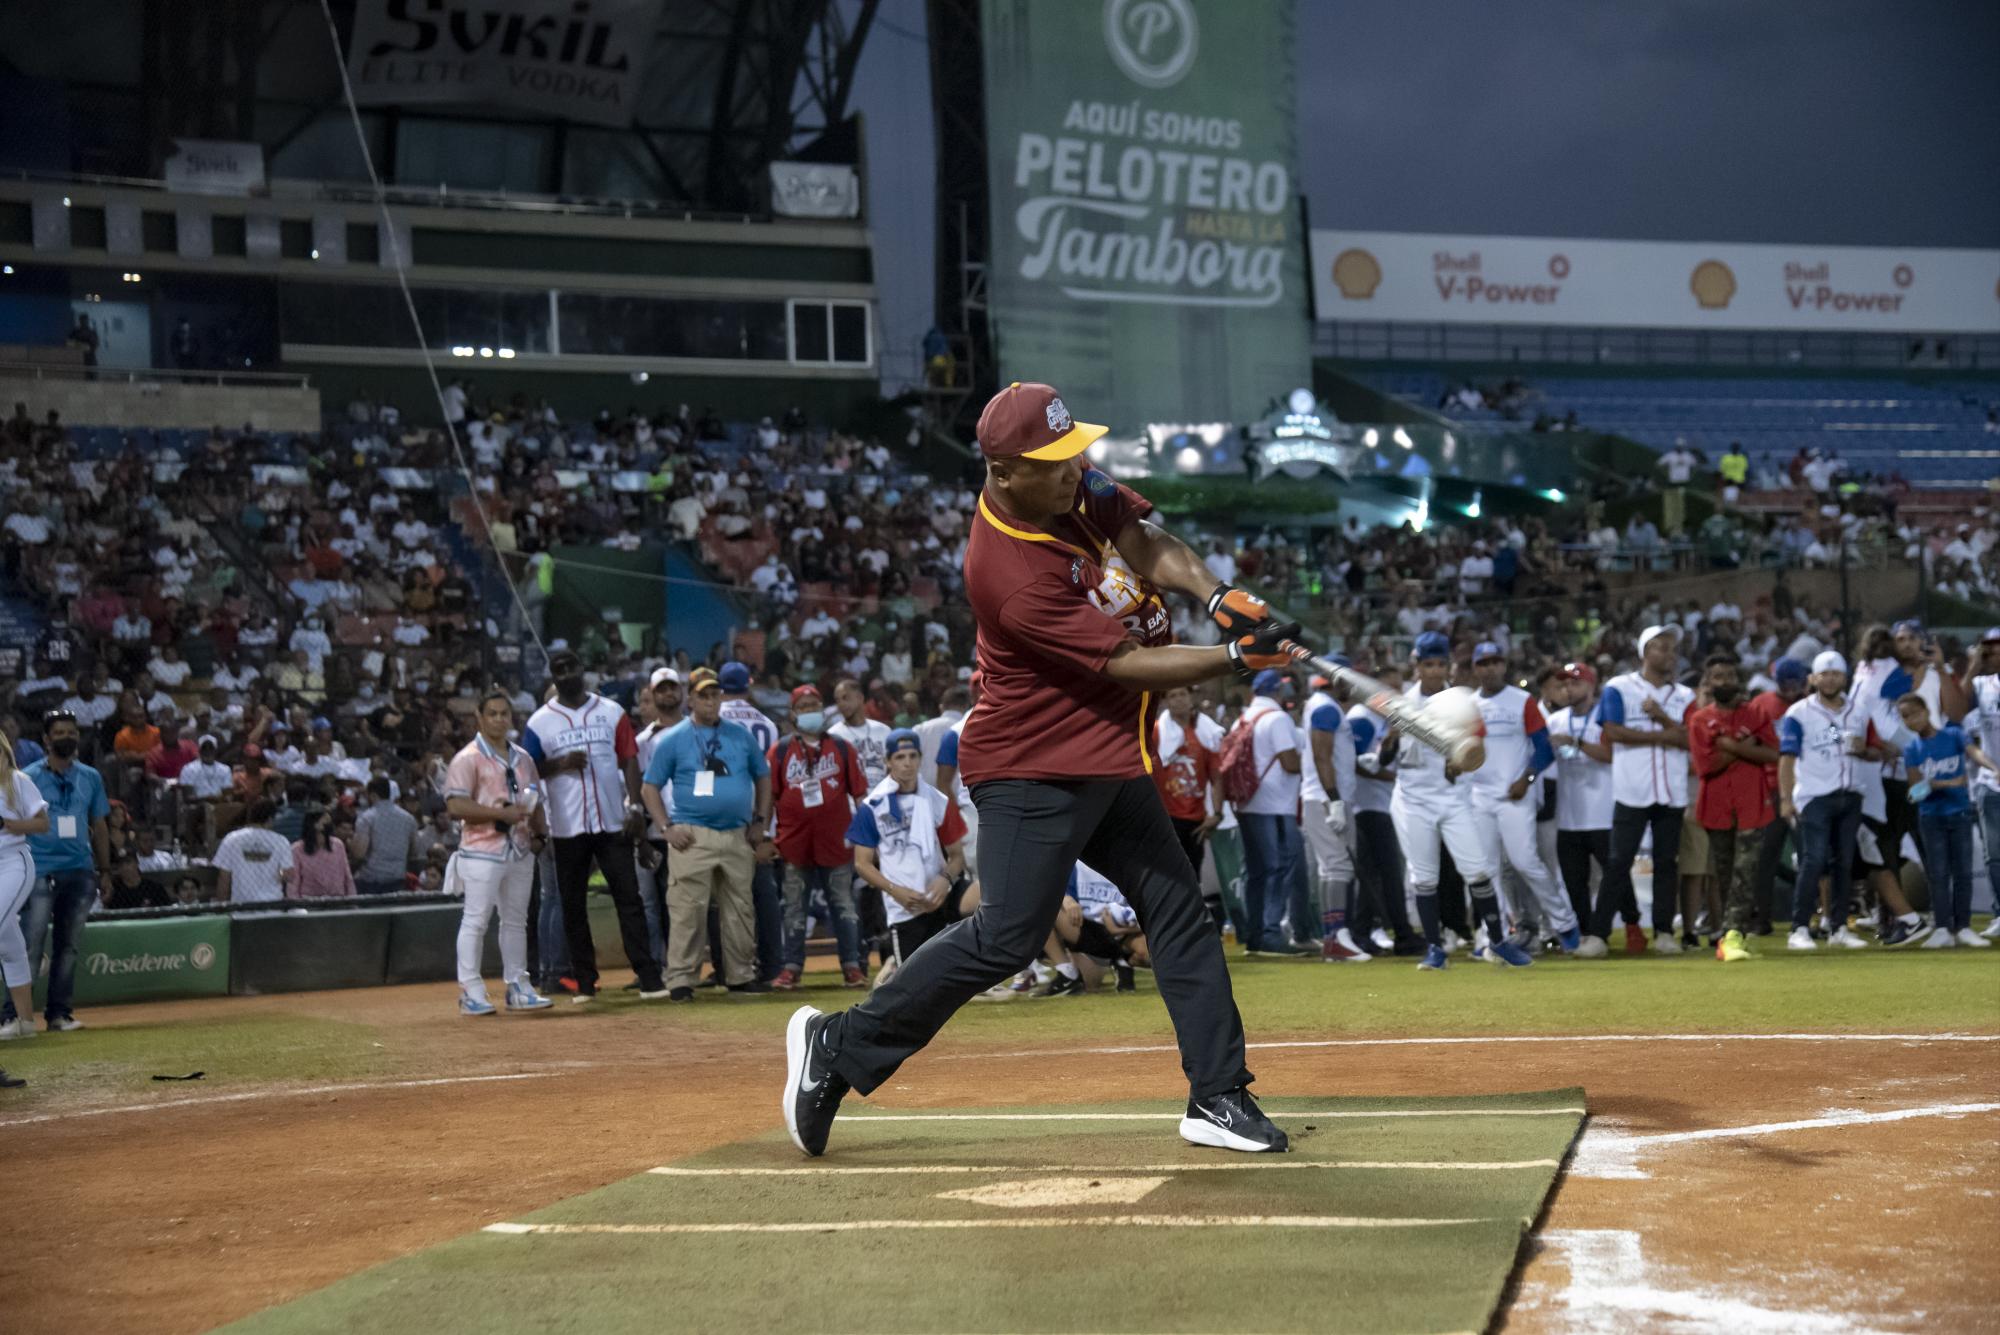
(270, 651)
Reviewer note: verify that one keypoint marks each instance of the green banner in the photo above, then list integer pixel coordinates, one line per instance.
(151, 959)
(1147, 257)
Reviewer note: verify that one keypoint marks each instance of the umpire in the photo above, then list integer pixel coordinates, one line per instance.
(1064, 573)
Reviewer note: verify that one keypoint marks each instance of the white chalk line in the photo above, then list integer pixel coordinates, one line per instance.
(249, 1095)
(1081, 1221)
(1613, 1154)
(1102, 1170)
(1457, 1039)
(867, 1118)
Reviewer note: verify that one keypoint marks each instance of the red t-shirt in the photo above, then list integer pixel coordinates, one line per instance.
(1184, 781)
(1052, 603)
(815, 836)
(1765, 711)
(1737, 797)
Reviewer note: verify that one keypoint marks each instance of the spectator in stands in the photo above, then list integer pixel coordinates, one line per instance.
(253, 863)
(1271, 839)
(721, 790)
(72, 856)
(320, 869)
(128, 887)
(383, 839)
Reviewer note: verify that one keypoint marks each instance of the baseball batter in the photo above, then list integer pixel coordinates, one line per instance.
(1064, 573)
(1432, 808)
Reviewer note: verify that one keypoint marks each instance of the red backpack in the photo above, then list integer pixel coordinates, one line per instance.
(1237, 761)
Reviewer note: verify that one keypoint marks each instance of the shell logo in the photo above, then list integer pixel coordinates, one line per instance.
(1712, 284)
(1357, 274)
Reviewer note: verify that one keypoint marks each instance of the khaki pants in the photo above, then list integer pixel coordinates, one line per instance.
(718, 867)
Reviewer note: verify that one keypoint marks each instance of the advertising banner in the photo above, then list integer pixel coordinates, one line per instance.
(145, 960)
(1431, 279)
(214, 167)
(1146, 254)
(815, 190)
(579, 62)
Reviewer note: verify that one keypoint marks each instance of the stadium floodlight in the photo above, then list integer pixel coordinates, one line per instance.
(6, 268)
(1370, 436)
(65, 201)
(1472, 510)
(486, 352)
(507, 353)
(1555, 494)
(1402, 438)
(461, 350)
(315, 252)
(1188, 460)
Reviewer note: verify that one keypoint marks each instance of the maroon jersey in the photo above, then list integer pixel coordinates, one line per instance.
(1052, 604)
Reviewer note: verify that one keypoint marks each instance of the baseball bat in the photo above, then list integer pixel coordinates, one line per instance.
(1463, 749)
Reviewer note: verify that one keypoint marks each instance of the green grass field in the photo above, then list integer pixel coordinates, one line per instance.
(1860, 991)
(1402, 1214)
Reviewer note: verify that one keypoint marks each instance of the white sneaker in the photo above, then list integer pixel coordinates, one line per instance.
(1453, 942)
(1940, 939)
(1968, 937)
(1666, 943)
(69, 1024)
(1801, 939)
(1592, 948)
(1846, 937)
(1992, 932)
(18, 1027)
(1385, 942)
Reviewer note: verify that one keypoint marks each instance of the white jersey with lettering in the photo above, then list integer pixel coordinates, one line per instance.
(593, 801)
(1095, 895)
(762, 730)
(1982, 725)
(870, 740)
(1322, 715)
(1516, 741)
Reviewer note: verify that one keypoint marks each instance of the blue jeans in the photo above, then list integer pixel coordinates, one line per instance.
(1989, 830)
(838, 883)
(652, 900)
(551, 942)
(1947, 839)
(1828, 825)
(1273, 854)
(60, 899)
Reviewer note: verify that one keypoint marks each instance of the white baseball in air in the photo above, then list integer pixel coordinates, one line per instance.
(1456, 708)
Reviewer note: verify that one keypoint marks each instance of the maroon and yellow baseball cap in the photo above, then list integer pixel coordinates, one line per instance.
(1029, 421)
(703, 679)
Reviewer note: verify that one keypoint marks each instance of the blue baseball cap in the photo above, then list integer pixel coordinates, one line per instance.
(1909, 626)
(1486, 649)
(1432, 644)
(734, 677)
(322, 724)
(1789, 670)
(903, 739)
(1340, 660)
(1267, 681)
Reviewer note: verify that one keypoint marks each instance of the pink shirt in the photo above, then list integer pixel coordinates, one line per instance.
(322, 875)
(478, 772)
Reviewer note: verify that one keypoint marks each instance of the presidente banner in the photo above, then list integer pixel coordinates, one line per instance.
(581, 62)
(1429, 278)
(149, 959)
(1146, 255)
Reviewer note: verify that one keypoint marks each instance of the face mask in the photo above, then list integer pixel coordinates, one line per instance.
(465, 692)
(570, 685)
(423, 688)
(812, 722)
(367, 692)
(1726, 694)
(63, 748)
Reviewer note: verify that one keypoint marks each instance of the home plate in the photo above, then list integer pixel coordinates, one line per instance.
(1031, 1193)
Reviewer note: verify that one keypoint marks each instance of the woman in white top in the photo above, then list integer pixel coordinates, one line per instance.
(22, 812)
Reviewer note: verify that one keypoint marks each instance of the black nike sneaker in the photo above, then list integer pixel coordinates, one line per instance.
(1062, 985)
(1231, 1121)
(813, 1089)
(1126, 982)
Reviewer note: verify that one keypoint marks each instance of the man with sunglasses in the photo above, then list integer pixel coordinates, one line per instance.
(72, 861)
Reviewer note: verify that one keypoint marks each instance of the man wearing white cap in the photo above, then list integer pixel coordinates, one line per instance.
(1643, 715)
(1825, 745)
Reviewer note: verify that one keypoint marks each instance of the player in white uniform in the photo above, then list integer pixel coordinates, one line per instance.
(1643, 715)
(23, 811)
(1504, 792)
(1096, 928)
(1431, 807)
(951, 786)
(1583, 805)
(1384, 905)
(1982, 723)
(1326, 817)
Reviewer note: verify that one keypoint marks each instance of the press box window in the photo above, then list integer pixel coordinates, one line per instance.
(831, 333)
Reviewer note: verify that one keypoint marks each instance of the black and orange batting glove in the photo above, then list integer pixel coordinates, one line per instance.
(1237, 612)
(1259, 649)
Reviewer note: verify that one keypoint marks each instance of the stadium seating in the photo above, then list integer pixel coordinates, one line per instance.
(1933, 434)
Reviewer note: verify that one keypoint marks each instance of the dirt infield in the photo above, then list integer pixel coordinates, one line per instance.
(180, 1218)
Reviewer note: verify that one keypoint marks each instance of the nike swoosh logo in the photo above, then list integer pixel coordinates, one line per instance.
(1225, 1120)
(808, 1086)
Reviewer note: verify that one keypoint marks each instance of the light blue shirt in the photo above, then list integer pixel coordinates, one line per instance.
(76, 798)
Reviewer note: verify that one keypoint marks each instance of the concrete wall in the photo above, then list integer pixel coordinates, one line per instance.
(117, 401)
